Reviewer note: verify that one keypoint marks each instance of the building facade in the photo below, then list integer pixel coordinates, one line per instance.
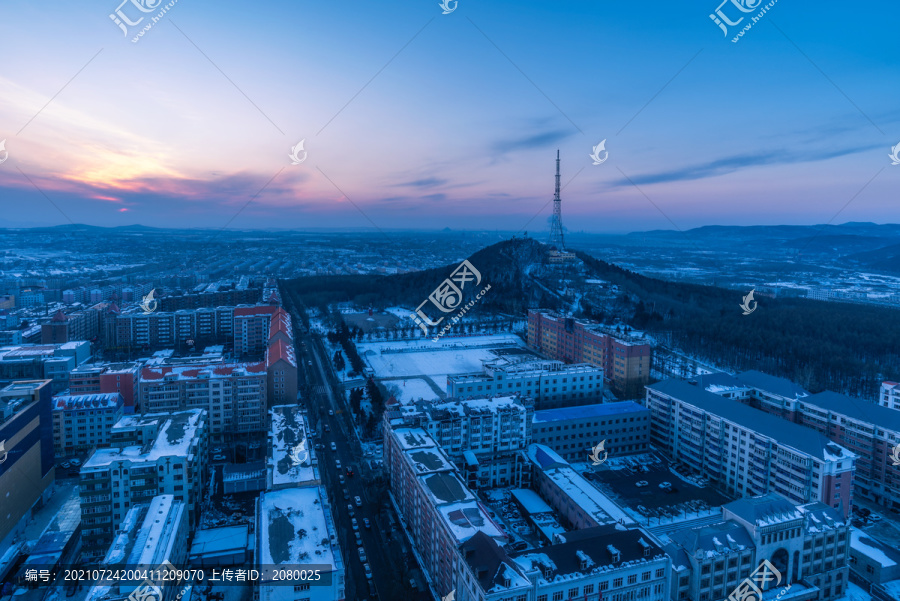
(550, 383)
(84, 421)
(746, 451)
(122, 378)
(625, 356)
(573, 432)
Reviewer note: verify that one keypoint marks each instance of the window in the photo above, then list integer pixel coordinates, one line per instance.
(301, 587)
(573, 592)
(645, 576)
(617, 583)
(557, 596)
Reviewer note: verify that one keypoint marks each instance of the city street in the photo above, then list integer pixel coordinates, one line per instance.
(386, 552)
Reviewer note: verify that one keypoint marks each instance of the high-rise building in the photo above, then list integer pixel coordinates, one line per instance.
(746, 451)
(889, 395)
(153, 455)
(625, 356)
(84, 421)
(26, 453)
(252, 328)
(122, 378)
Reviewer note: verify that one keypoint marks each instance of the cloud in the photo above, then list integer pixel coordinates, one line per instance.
(537, 140)
(426, 182)
(738, 162)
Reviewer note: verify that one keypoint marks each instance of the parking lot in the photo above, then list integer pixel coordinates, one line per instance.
(651, 500)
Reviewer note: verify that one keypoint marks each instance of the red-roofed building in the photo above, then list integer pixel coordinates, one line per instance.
(122, 378)
(281, 366)
(233, 394)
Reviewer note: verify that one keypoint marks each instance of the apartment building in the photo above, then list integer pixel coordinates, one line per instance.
(252, 327)
(485, 435)
(171, 460)
(218, 297)
(440, 511)
(42, 361)
(84, 421)
(889, 395)
(550, 383)
(233, 394)
(625, 355)
(747, 451)
(122, 378)
(807, 545)
(572, 432)
(870, 430)
(183, 328)
(26, 450)
(85, 324)
(295, 531)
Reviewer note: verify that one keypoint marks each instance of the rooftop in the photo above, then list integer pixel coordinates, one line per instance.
(712, 540)
(293, 529)
(588, 411)
(176, 437)
(291, 460)
(785, 433)
(100, 400)
(774, 384)
(192, 372)
(857, 409)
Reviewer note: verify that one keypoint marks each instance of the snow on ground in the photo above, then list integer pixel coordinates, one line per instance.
(404, 359)
(414, 389)
(855, 593)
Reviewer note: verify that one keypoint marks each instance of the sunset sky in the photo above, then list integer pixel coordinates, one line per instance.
(426, 120)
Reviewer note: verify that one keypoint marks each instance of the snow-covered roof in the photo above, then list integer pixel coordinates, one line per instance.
(862, 543)
(291, 461)
(293, 529)
(179, 432)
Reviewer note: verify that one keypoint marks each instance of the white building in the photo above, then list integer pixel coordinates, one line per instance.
(890, 395)
(550, 383)
(291, 459)
(170, 459)
(488, 435)
(296, 531)
(84, 421)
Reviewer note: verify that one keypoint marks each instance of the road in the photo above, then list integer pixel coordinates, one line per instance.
(386, 552)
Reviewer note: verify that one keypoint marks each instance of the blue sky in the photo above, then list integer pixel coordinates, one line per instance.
(415, 119)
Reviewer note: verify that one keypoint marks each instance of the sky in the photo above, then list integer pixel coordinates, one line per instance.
(414, 119)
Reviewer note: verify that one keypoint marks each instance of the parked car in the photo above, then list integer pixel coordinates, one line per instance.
(75, 462)
(641, 483)
(64, 465)
(337, 464)
(362, 554)
(355, 524)
(217, 450)
(367, 570)
(665, 485)
(874, 517)
(218, 457)
(333, 447)
(358, 501)
(367, 523)
(341, 478)
(642, 510)
(320, 446)
(358, 539)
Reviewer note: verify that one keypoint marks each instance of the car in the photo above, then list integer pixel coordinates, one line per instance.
(874, 517)
(665, 485)
(641, 483)
(358, 539)
(75, 462)
(358, 501)
(217, 450)
(642, 510)
(368, 571)
(65, 465)
(671, 490)
(218, 457)
(254, 445)
(309, 363)
(362, 554)
(350, 470)
(856, 523)
(350, 510)
(333, 447)
(341, 478)
(355, 524)
(331, 412)
(337, 464)
(367, 523)
(320, 446)
(327, 428)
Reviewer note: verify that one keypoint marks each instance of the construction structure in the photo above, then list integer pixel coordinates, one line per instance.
(558, 253)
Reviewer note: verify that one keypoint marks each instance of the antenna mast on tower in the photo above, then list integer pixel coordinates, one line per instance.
(556, 229)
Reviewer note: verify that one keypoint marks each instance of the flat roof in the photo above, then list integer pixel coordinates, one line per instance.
(588, 411)
(175, 438)
(293, 529)
(291, 459)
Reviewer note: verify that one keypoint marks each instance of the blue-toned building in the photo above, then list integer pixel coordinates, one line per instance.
(573, 431)
(26, 453)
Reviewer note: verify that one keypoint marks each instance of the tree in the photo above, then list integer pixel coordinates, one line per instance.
(356, 395)
(338, 359)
